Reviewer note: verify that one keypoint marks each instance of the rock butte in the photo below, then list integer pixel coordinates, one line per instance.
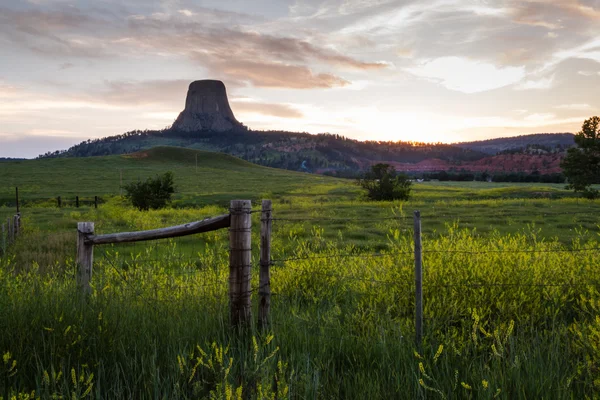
(206, 107)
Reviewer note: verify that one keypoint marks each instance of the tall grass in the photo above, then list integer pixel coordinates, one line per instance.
(507, 316)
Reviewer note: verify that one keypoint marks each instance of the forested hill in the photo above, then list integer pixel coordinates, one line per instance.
(288, 150)
(546, 141)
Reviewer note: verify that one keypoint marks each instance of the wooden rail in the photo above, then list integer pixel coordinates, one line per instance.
(239, 222)
(206, 225)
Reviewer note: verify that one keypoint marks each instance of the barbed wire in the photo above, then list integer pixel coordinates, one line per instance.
(451, 251)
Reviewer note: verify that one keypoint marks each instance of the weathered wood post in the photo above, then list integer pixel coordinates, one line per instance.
(16, 224)
(3, 239)
(17, 198)
(59, 201)
(76, 201)
(95, 201)
(240, 246)
(11, 230)
(418, 280)
(85, 256)
(264, 289)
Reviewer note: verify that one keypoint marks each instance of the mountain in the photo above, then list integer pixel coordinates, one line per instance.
(543, 141)
(206, 107)
(208, 123)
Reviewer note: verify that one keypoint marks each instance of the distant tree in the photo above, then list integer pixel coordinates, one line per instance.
(154, 193)
(581, 165)
(382, 183)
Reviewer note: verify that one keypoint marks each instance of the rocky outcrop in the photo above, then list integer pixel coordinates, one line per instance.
(206, 108)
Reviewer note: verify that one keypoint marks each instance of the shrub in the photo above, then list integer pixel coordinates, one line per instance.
(154, 193)
(382, 183)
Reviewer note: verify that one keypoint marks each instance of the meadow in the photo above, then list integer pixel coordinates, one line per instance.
(510, 282)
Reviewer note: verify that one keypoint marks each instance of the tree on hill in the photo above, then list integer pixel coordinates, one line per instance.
(382, 183)
(581, 165)
(154, 193)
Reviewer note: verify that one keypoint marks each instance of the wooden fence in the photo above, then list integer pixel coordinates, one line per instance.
(239, 222)
(10, 231)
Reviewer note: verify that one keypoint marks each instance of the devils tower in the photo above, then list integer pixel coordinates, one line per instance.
(206, 108)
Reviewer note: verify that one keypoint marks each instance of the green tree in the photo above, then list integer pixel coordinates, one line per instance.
(581, 165)
(154, 193)
(382, 183)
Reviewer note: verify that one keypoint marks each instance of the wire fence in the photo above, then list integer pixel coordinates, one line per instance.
(175, 270)
(441, 256)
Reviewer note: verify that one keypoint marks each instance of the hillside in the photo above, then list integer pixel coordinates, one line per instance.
(287, 150)
(218, 177)
(334, 154)
(519, 162)
(544, 141)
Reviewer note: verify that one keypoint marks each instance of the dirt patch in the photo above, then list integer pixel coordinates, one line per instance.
(139, 154)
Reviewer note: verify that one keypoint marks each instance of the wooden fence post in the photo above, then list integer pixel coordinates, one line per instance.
(59, 201)
(264, 289)
(16, 223)
(85, 256)
(3, 239)
(240, 246)
(11, 230)
(418, 280)
(76, 201)
(17, 197)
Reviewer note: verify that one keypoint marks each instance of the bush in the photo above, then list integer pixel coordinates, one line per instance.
(382, 183)
(154, 193)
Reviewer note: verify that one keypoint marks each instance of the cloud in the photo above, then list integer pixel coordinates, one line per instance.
(274, 75)
(30, 146)
(578, 107)
(271, 109)
(139, 93)
(468, 76)
(541, 83)
(209, 42)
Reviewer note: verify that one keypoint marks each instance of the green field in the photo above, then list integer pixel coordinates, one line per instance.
(511, 289)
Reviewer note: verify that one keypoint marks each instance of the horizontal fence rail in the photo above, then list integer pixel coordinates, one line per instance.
(239, 222)
(206, 225)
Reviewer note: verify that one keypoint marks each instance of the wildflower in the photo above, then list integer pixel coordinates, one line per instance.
(438, 353)
(466, 386)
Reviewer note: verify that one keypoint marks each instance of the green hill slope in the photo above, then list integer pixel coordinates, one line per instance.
(217, 176)
(287, 150)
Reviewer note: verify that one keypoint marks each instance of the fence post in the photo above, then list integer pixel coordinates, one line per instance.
(11, 230)
(418, 280)
(95, 201)
(17, 197)
(264, 288)
(85, 256)
(240, 246)
(16, 223)
(59, 201)
(76, 201)
(3, 239)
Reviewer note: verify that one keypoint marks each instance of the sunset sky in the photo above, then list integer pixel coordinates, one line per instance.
(367, 69)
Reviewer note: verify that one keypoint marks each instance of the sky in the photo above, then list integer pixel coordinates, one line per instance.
(412, 70)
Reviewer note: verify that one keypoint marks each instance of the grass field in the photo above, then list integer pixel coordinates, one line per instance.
(511, 289)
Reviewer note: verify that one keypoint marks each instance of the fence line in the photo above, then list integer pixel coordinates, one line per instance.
(240, 287)
(11, 230)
